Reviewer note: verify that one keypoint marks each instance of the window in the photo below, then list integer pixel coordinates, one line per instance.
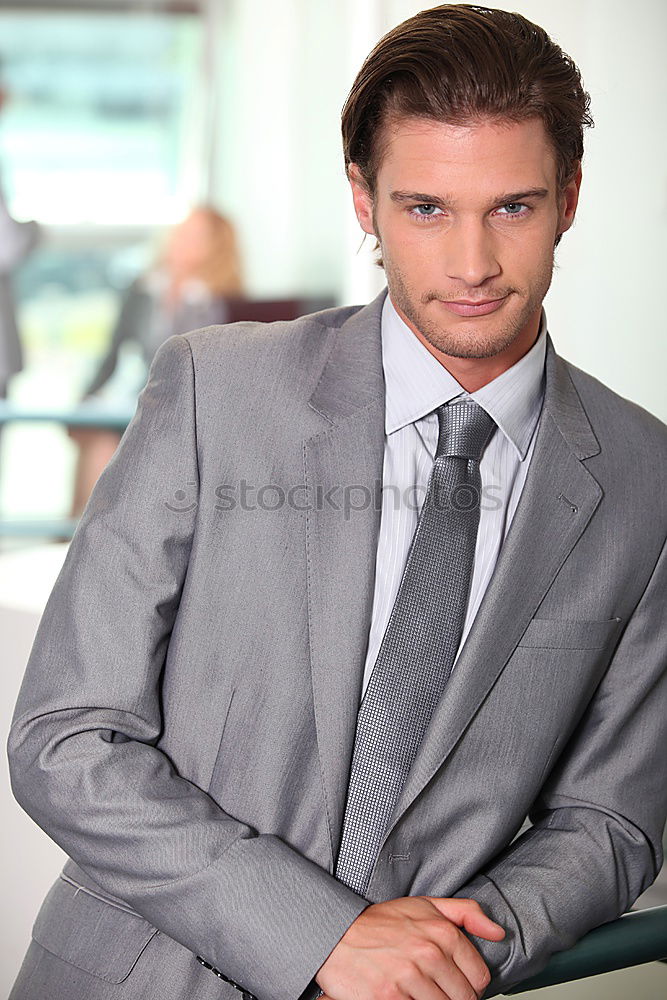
(103, 113)
(101, 141)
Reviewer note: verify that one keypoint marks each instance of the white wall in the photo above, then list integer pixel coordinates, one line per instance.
(286, 69)
(31, 861)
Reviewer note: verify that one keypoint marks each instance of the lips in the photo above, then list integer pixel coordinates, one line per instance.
(464, 307)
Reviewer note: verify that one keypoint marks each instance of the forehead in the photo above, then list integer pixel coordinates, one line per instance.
(483, 156)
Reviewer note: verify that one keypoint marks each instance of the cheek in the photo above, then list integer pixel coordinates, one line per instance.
(528, 252)
(419, 263)
(414, 248)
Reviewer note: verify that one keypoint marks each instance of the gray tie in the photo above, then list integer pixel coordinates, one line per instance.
(421, 639)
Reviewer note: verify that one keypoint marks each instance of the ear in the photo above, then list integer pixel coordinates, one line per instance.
(569, 199)
(363, 201)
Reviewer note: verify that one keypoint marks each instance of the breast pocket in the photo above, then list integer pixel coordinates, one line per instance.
(94, 935)
(551, 633)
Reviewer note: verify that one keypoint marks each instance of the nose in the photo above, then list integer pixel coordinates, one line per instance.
(470, 256)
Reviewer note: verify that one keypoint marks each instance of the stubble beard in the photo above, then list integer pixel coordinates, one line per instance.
(483, 339)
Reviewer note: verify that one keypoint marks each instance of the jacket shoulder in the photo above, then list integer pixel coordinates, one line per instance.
(614, 416)
(263, 368)
(251, 337)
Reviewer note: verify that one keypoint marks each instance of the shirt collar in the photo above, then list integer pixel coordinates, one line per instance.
(416, 383)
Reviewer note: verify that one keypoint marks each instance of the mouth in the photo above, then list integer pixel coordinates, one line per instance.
(464, 307)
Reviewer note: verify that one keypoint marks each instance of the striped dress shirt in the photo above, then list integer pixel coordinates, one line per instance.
(416, 384)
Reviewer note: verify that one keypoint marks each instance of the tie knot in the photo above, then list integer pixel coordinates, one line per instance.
(465, 429)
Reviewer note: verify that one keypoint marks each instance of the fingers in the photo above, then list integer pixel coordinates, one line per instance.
(424, 954)
(467, 961)
(472, 966)
(451, 960)
(469, 914)
(446, 982)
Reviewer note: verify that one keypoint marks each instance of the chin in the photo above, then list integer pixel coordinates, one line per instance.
(470, 340)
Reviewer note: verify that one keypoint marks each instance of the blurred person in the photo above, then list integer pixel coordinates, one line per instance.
(361, 593)
(197, 270)
(17, 241)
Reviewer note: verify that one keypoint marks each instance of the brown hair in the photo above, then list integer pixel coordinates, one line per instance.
(458, 64)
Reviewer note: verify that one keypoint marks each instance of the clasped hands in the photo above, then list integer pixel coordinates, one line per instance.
(411, 948)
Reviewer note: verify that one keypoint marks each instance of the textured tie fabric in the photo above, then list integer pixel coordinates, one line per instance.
(421, 639)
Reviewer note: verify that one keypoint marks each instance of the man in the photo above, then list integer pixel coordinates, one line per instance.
(359, 593)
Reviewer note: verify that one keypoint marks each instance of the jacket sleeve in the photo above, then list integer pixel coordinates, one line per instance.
(83, 746)
(596, 840)
(125, 328)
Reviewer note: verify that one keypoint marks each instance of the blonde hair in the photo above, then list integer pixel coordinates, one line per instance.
(219, 264)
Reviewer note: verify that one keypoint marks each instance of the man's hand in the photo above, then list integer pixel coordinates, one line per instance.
(410, 947)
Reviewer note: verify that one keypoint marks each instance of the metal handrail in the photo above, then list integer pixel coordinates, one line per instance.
(112, 418)
(635, 938)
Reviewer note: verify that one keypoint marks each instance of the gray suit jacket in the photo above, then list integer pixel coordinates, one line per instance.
(185, 727)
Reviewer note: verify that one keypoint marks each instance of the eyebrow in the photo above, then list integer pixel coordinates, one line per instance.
(447, 202)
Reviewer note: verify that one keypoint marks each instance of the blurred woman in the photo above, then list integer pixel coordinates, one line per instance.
(197, 271)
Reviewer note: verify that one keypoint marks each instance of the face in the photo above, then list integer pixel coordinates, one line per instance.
(467, 218)
(189, 243)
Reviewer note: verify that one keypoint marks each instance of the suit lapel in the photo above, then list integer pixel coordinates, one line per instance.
(558, 500)
(341, 549)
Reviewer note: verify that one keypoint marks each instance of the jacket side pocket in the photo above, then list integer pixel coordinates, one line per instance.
(90, 933)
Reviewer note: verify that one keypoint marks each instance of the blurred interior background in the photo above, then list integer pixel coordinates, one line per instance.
(122, 116)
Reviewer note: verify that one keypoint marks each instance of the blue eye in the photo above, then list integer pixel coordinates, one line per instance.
(514, 208)
(424, 212)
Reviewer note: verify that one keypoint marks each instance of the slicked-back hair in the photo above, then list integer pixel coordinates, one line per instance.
(460, 64)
